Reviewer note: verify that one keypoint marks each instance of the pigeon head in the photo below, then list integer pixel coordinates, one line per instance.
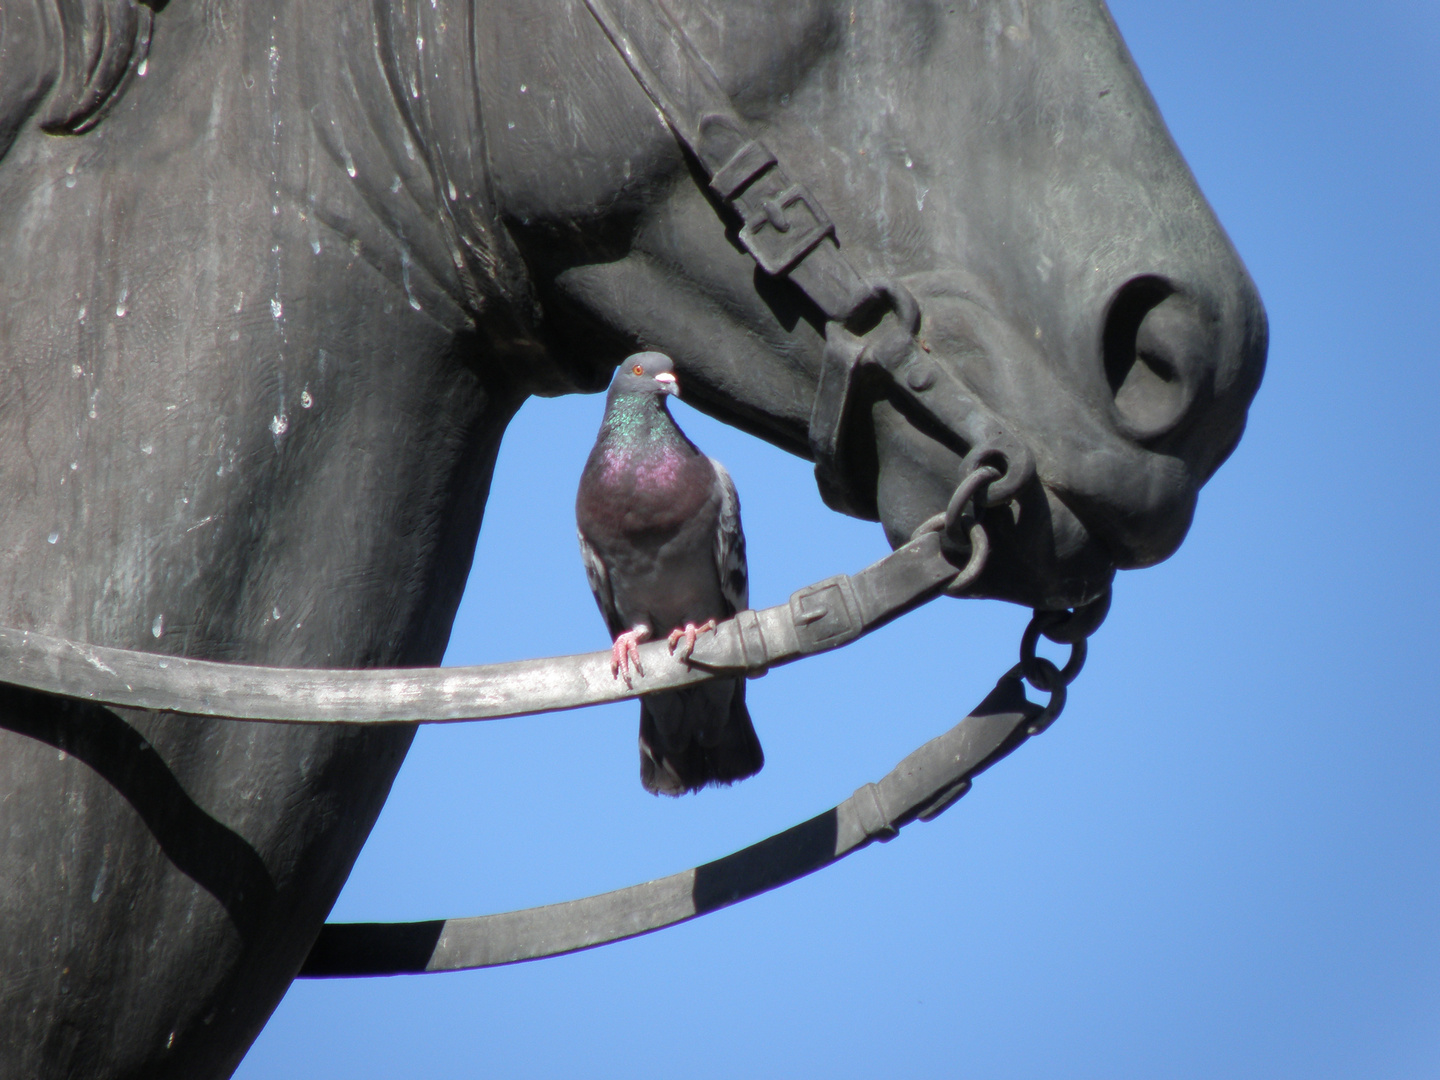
(650, 373)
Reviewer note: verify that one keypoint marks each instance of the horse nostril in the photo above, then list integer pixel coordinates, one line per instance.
(1156, 346)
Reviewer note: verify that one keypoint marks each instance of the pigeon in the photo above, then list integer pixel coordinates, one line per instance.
(659, 526)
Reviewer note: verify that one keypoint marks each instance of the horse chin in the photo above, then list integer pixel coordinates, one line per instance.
(1042, 553)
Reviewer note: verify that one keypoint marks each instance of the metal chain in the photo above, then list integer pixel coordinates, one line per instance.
(1065, 627)
(961, 526)
(961, 529)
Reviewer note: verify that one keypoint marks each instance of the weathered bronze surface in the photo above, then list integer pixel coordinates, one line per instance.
(275, 276)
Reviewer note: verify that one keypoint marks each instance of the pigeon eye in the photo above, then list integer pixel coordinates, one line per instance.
(638, 369)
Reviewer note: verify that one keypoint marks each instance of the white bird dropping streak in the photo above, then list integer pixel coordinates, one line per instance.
(405, 278)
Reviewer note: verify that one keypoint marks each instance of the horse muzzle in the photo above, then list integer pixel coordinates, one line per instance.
(1121, 437)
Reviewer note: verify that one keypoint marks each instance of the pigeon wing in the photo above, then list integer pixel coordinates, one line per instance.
(599, 578)
(730, 545)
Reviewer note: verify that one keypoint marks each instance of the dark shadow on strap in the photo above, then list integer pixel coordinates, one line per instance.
(367, 949)
(919, 787)
(774, 861)
(350, 949)
(213, 856)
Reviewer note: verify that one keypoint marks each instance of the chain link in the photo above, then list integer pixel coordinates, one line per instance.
(1076, 624)
(962, 526)
(962, 529)
(1068, 627)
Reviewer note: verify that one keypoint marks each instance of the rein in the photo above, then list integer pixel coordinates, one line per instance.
(921, 787)
(818, 618)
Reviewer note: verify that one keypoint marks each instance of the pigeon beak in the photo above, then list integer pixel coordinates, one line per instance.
(668, 383)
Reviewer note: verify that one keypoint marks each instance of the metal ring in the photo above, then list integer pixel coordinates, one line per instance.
(1053, 708)
(934, 523)
(964, 496)
(979, 553)
(1068, 627)
(965, 492)
(902, 302)
(1013, 462)
(1041, 672)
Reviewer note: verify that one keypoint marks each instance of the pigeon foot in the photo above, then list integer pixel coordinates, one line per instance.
(626, 651)
(689, 634)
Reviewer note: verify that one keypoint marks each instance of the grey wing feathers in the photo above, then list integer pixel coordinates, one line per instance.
(730, 544)
(599, 579)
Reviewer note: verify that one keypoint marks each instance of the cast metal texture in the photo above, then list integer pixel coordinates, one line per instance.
(276, 276)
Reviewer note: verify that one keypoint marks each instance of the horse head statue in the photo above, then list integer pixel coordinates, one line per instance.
(277, 276)
(1036, 216)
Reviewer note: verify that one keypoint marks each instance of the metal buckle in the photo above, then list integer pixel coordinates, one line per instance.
(753, 647)
(753, 158)
(826, 614)
(776, 236)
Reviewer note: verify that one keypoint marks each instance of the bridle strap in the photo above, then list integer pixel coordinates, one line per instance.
(785, 229)
(788, 234)
(820, 617)
(933, 387)
(816, 619)
(922, 786)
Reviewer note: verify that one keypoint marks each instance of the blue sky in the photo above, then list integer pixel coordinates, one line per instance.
(1224, 860)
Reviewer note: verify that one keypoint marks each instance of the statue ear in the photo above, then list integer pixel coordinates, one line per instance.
(103, 43)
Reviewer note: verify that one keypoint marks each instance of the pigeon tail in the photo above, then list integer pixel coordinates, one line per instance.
(697, 736)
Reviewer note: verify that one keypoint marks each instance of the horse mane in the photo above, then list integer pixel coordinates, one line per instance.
(103, 42)
(74, 63)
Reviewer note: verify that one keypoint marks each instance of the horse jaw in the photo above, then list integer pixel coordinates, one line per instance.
(1118, 470)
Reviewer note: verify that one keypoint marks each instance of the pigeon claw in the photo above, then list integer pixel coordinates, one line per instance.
(689, 634)
(626, 651)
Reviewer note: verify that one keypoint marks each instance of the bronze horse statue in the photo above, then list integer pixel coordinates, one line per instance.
(276, 276)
